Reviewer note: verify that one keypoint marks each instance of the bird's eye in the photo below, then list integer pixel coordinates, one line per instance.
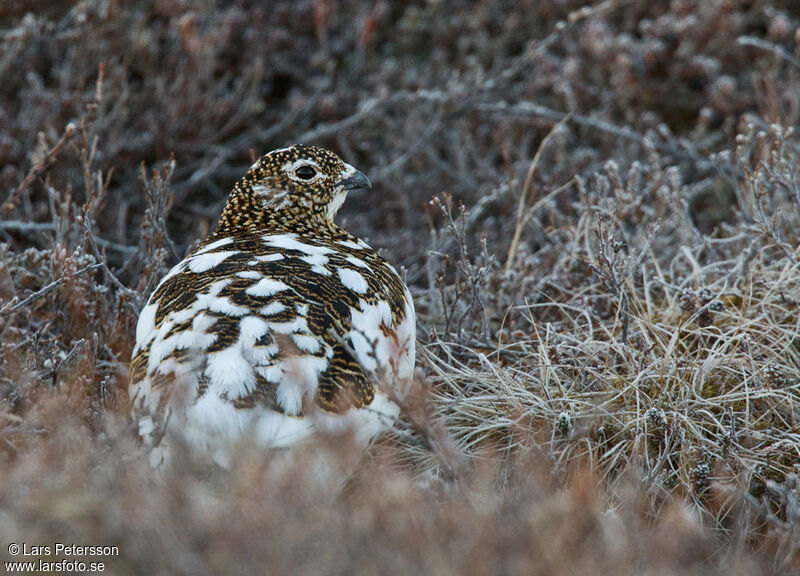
(305, 172)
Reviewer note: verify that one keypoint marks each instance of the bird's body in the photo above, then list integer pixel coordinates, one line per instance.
(278, 323)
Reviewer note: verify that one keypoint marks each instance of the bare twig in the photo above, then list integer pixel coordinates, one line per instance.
(40, 167)
(367, 108)
(13, 305)
(762, 44)
(401, 160)
(685, 151)
(39, 227)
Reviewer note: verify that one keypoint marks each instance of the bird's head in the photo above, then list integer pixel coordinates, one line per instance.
(294, 187)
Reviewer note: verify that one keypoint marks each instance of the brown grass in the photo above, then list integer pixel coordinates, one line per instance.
(597, 210)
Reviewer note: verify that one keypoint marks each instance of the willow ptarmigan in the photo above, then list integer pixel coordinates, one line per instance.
(276, 324)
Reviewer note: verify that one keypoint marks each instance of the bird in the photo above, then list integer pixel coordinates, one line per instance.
(277, 326)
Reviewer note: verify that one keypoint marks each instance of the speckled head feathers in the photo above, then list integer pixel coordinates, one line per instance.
(296, 188)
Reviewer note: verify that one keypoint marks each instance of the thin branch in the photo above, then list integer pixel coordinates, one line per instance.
(13, 305)
(366, 109)
(41, 227)
(685, 150)
(769, 47)
(39, 168)
(401, 160)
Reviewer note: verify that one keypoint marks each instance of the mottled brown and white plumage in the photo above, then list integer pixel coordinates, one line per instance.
(274, 326)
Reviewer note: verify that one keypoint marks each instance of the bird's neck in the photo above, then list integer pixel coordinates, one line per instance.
(246, 214)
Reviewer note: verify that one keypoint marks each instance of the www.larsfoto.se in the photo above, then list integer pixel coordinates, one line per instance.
(63, 565)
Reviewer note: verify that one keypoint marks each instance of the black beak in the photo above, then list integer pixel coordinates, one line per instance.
(357, 181)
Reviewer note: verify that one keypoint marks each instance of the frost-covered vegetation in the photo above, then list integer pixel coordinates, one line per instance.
(597, 208)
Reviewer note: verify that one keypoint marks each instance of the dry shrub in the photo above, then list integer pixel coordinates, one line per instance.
(597, 210)
(192, 520)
